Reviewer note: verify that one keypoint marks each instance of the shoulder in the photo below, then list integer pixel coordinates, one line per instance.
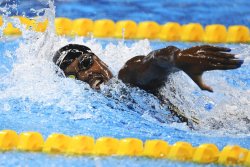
(135, 59)
(132, 63)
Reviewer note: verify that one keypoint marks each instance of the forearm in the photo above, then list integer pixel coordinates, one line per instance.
(138, 72)
(165, 57)
(150, 72)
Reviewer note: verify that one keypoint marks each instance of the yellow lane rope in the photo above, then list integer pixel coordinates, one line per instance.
(129, 29)
(108, 146)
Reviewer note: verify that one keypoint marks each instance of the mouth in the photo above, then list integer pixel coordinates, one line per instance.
(96, 80)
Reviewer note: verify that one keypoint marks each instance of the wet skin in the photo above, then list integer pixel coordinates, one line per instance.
(151, 72)
(97, 74)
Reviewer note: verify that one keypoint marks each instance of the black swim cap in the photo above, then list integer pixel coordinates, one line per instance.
(64, 56)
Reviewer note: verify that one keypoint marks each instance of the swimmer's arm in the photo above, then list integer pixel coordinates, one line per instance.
(149, 72)
(196, 60)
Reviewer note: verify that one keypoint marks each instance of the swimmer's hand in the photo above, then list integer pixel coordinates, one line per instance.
(196, 60)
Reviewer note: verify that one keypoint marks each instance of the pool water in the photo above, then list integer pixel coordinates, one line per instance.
(182, 11)
(34, 98)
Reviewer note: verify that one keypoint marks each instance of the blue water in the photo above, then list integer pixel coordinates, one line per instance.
(182, 11)
(32, 98)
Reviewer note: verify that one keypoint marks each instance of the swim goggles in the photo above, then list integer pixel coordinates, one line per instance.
(67, 54)
(85, 61)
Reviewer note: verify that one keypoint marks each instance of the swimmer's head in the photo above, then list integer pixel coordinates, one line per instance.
(78, 61)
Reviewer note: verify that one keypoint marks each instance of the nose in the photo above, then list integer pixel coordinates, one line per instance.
(97, 74)
(99, 67)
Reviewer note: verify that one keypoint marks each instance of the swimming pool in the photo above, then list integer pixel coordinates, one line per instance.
(34, 98)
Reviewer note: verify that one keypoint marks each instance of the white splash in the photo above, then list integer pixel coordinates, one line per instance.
(229, 106)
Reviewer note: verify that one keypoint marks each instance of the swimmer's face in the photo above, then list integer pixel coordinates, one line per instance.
(95, 74)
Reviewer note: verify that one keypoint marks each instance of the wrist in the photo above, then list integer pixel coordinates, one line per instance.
(174, 54)
(169, 55)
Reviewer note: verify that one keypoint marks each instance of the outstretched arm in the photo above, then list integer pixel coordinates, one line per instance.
(150, 72)
(196, 60)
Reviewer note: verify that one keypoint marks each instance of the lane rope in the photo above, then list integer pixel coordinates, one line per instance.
(181, 151)
(129, 29)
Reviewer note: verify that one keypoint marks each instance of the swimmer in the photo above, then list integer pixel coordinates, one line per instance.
(148, 72)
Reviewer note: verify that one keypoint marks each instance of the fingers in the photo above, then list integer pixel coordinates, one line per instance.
(215, 48)
(218, 58)
(223, 61)
(222, 67)
(205, 87)
(219, 54)
(197, 78)
(234, 62)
